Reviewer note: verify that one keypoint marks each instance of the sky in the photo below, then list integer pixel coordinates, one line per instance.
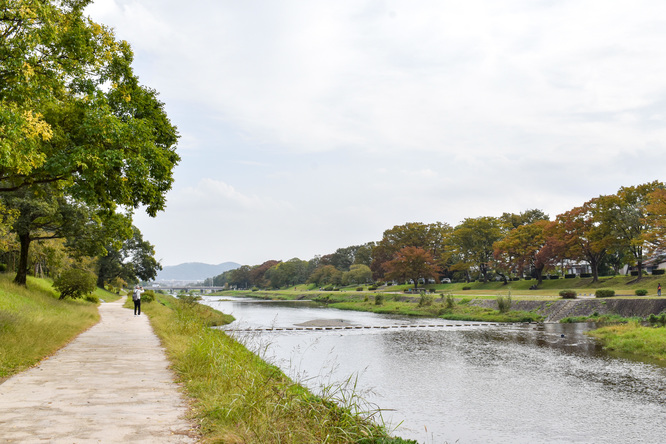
(312, 125)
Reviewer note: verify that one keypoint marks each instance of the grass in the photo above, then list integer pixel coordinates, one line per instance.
(34, 324)
(460, 310)
(633, 338)
(238, 398)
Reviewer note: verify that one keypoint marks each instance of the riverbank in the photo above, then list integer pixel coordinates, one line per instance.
(34, 324)
(238, 398)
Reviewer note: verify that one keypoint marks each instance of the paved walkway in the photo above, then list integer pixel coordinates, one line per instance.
(110, 385)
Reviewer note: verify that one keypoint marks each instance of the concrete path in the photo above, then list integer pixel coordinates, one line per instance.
(110, 385)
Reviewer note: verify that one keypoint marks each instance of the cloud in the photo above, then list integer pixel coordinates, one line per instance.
(310, 126)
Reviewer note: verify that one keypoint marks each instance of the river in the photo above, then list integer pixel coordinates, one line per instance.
(464, 382)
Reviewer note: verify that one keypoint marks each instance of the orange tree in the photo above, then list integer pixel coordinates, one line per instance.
(412, 263)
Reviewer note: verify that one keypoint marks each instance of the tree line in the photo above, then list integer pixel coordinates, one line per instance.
(605, 234)
(82, 146)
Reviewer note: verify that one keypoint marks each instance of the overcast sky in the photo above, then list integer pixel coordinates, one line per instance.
(307, 126)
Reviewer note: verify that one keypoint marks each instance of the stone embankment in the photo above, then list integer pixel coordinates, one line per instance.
(553, 311)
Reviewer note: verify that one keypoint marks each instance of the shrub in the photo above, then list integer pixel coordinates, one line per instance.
(372, 287)
(359, 288)
(634, 273)
(329, 288)
(379, 299)
(467, 288)
(570, 276)
(586, 275)
(91, 298)
(504, 303)
(148, 296)
(658, 271)
(568, 294)
(425, 300)
(528, 278)
(450, 301)
(553, 276)
(604, 293)
(75, 283)
(641, 292)
(3, 268)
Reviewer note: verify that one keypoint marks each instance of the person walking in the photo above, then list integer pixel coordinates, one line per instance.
(136, 297)
(658, 289)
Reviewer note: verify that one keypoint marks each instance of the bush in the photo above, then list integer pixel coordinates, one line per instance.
(568, 294)
(504, 303)
(604, 293)
(148, 296)
(467, 288)
(3, 268)
(359, 288)
(379, 299)
(450, 301)
(425, 300)
(553, 276)
(641, 292)
(634, 273)
(372, 287)
(570, 276)
(586, 275)
(658, 271)
(91, 298)
(75, 283)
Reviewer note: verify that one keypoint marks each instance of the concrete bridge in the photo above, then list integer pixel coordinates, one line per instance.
(179, 288)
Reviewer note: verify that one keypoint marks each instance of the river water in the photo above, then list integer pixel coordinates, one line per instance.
(467, 383)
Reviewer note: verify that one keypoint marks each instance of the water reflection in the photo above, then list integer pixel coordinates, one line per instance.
(504, 384)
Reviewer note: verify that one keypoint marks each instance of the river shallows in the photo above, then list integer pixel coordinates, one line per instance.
(468, 384)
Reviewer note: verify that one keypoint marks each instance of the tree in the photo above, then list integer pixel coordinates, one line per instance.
(412, 263)
(472, 241)
(326, 275)
(240, 277)
(72, 111)
(584, 234)
(258, 277)
(429, 237)
(627, 214)
(74, 117)
(532, 248)
(134, 261)
(357, 274)
(655, 235)
(44, 212)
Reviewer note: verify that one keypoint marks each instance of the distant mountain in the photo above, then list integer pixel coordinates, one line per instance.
(193, 271)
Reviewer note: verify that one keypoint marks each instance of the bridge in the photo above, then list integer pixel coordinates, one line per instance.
(178, 288)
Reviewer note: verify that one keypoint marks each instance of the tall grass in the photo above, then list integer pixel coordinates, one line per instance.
(35, 324)
(238, 398)
(633, 338)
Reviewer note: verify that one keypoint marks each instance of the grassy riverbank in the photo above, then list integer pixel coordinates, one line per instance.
(634, 338)
(34, 324)
(238, 398)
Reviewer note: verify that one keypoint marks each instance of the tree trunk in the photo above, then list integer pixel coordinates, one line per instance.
(22, 271)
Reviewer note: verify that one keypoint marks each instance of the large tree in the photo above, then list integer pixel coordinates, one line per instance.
(627, 213)
(584, 235)
(73, 115)
(412, 263)
(429, 237)
(133, 261)
(532, 248)
(472, 241)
